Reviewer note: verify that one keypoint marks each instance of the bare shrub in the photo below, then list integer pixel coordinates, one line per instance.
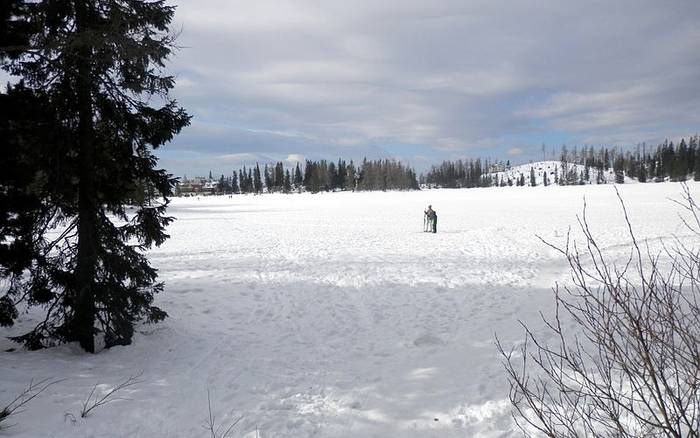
(94, 401)
(631, 367)
(28, 394)
(221, 430)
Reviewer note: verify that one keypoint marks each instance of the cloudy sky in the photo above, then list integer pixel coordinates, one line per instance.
(429, 80)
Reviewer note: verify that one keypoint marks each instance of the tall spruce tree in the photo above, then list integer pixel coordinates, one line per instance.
(642, 176)
(243, 180)
(692, 153)
(618, 167)
(287, 186)
(234, 183)
(279, 177)
(297, 177)
(257, 180)
(95, 66)
(308, 171)
(269, 183)
(350, 176)
(331, 176)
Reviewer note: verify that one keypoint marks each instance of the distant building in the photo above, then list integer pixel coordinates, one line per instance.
(194, 186)
(497, 167)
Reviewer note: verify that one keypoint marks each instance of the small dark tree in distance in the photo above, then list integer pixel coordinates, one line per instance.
(279, 176)
(350, 177)
(234, 183)
(642, 177)
(297, 177)
(269, 183)
(287, 188)
(257, 180)
(633, 367)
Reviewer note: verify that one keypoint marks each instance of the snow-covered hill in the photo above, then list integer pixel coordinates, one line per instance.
(554, 170)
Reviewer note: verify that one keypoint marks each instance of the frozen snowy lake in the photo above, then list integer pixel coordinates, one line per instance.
(334, 315)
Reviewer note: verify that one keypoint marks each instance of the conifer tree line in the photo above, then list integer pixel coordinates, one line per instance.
(459, 174)
(667, 161)
(314, 177)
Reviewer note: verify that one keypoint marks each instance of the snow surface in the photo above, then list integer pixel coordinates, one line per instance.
(334, 315)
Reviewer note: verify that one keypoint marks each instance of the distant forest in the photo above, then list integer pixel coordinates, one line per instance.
(587, 165)
(316, 176)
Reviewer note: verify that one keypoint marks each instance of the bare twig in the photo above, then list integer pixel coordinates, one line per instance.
(29, 393)
(220, 431)
(632, 368)
(93, 403)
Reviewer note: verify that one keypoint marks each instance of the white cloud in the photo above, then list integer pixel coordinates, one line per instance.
(293, 159)
(515, 151)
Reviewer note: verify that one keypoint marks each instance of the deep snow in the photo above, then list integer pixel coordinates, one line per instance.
(334, 315)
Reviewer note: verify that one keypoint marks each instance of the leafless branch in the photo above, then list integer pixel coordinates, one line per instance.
(632, 366)
(94, 401)
(218, 431)
(28, 394)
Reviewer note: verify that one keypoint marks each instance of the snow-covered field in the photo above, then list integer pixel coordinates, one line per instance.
(334, 315)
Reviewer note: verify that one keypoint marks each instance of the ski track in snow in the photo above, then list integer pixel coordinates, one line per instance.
(334, 315)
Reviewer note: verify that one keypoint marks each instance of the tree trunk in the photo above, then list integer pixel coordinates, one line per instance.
(83, 324)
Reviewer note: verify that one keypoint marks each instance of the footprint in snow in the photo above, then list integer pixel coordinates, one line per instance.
(427, 340)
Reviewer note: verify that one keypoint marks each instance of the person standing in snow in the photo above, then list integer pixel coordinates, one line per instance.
(426, 220)
(434, 221)
(430, 220)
